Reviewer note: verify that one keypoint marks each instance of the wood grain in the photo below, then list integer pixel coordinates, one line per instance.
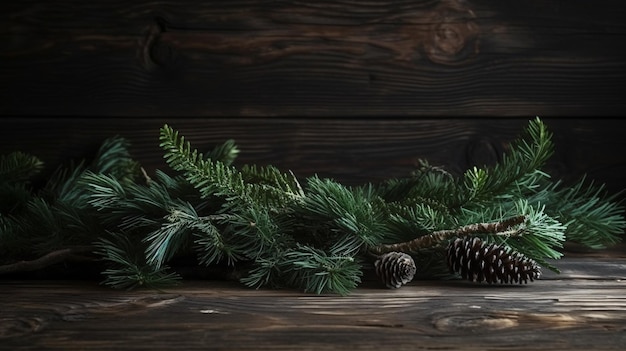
(571, 311)
(325, 58)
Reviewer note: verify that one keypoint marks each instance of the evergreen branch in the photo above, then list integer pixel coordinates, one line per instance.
(14, 197)
(166, 241)
(267, 271)
(212, 246)
(18, 167)
(259, 232)
(214, 177)
(343, 209)
(113, 158)
(272, 176)
(417, 218)
(314, 271)
(128, 268)
(207, 175)
(46, 260)
(64, 185)
(592, 218)
(520, 168)
(426, 183)
(542, 234)
(134, 206)
(507, 227)
(105, 192)
(68, 184)
(225, 153)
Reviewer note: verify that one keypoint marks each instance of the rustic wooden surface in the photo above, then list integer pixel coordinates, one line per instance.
(320, 58)
(583, 308)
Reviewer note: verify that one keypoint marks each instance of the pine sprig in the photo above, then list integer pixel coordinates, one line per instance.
(128, 270)
(215, 177)
(268, 271)
(592, 216)
(57, 215)
(520, 168)
(314, 271)
(343, 210)
(18, 167)
(207, 175)
(225, 153)
(170, 238)
(114, 159)
(318, 237)
(16, 172)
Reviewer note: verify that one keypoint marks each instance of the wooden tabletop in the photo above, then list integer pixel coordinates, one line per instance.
(583, 308)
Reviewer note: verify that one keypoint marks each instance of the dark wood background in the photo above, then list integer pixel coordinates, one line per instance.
(354, 90)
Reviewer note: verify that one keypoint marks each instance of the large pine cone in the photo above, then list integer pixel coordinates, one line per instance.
(395, 269)
(478, 261)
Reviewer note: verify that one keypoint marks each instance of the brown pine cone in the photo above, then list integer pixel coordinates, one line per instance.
(478, 261)
(395, 269)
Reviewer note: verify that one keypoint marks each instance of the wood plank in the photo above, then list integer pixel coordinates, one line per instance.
(561, 313)
(328, 58)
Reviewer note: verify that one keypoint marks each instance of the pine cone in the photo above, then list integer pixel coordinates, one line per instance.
(395, 269)
(478, 261)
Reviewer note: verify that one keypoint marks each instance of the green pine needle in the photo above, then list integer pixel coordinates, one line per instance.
(127, 270)
(314, 271)
(18, 167)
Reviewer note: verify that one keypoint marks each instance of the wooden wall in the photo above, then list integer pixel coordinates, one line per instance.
(351, 89)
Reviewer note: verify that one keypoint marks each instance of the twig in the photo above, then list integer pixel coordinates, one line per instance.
(503, 227)
(45, 260)
(146, 177)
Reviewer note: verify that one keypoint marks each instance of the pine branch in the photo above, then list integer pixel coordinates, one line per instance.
(542, 238)
(18, 167)
(14, 197)
(315, 271)
(507, 227)
(418, 217)
(46, 260)
(592, 217)
(114, 159)
(128, 269)
(343, 209)
(214, 177)
(207, 175)
(225, 153)
(267, 271)
(520, 168)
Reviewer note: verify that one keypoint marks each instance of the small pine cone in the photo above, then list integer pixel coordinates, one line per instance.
(478, 261)
(395, 269)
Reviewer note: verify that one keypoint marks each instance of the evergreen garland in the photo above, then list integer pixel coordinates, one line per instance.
(276, 231)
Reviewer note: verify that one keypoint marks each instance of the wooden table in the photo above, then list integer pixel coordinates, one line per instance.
(583, 308)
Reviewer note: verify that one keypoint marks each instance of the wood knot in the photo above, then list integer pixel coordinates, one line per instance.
(482, 152)
(453, 34)
(472, 323)
(152, 52)
(18, 327)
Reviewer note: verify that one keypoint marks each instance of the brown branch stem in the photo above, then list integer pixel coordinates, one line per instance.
(504, 227)
(45, 260)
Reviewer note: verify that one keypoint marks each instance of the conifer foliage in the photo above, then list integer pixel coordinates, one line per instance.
(276, 230)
